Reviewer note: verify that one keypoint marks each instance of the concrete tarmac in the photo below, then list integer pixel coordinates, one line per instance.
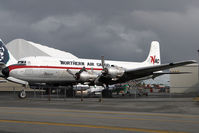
(115, 115)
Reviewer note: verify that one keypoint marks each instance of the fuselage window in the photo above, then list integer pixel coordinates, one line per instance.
(22, 62)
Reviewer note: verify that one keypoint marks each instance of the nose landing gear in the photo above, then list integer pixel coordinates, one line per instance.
(22, 94)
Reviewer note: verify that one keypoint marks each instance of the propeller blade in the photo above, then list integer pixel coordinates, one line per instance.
(70, 72)
(102, 60)
(83, 69)
(76, 75)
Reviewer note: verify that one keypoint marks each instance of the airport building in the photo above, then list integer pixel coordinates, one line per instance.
(185, 83)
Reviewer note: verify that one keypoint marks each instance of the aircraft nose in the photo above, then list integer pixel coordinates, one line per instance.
(5, 71)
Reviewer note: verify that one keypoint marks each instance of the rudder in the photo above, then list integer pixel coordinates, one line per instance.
(154, 54)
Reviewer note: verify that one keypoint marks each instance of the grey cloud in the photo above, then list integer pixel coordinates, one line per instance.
(177, 31)
(117, 29)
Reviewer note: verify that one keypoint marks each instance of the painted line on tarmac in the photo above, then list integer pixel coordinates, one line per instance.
(90, 126)
(102, 117)
(105, 112)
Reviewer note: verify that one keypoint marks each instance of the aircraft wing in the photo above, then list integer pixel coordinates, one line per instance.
(131, 74)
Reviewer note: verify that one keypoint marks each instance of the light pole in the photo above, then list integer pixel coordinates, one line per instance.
(198, 63)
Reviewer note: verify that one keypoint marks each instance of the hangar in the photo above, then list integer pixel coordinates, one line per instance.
(185, 83)
(21, 48)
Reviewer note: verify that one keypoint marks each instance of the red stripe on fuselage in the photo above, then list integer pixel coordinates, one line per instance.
(12, 67)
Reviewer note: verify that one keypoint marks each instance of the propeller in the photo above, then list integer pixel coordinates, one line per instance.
(70, 72)
(76, 75)
(102, 61)
(104, 70)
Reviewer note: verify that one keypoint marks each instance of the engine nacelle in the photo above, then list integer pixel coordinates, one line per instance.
(87, 76)
(114, 72)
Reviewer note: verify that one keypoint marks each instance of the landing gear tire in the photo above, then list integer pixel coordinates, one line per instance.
(70, 92)
(22, 94)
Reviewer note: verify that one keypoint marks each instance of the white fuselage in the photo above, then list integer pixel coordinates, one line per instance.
(54, 70)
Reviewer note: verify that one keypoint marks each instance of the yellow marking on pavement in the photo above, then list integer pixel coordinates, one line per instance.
(136, 114)
(102, 117)
(90, 126)
(105, 112)
(196, 99)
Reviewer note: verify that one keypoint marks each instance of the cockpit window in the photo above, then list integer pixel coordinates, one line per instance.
(21, 62)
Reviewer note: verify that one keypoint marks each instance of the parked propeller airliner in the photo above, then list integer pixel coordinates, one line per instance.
(63, 71)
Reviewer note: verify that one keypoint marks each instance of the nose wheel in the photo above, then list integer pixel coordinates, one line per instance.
(22, 94)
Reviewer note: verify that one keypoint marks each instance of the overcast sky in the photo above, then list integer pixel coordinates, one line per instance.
(117, 29)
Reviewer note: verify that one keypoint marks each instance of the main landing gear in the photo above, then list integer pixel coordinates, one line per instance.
(106, 92)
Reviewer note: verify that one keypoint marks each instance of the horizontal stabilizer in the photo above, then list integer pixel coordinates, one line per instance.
(171, 73)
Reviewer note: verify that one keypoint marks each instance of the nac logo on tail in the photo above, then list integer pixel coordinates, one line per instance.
(154, 60)
(1, 53)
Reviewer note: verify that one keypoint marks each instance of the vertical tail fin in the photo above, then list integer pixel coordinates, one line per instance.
(154, 54)
(5, 56)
